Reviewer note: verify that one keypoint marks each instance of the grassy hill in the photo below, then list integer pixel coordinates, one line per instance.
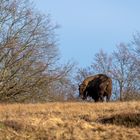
(70, 121)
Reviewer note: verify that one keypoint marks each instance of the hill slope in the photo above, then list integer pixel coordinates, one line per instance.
(72, 121)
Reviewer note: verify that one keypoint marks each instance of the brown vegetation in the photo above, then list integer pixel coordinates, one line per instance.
(30, 70)
(76, 121)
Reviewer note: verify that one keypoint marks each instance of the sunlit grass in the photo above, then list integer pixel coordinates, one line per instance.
(75, 121)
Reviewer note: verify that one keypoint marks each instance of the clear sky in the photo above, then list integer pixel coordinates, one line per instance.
(90, 25)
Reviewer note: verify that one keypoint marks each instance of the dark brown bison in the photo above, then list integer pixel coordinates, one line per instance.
(97, 87)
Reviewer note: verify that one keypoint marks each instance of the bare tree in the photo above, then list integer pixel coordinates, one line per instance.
(136, 51)
(102, 63)
(82, 73)
(124, 69)
(28, 52)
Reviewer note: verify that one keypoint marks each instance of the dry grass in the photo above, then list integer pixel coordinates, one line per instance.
(70, 121)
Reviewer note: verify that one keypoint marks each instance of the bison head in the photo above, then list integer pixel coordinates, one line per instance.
(82, 92)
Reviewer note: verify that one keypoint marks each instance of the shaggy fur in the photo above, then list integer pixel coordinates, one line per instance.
(97, 87)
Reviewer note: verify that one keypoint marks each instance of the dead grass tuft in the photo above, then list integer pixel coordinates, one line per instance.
(17, 126)
(125, 119)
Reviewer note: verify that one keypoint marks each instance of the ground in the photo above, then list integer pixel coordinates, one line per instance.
(70, 121)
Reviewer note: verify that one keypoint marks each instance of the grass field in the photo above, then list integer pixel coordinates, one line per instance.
(70, 121)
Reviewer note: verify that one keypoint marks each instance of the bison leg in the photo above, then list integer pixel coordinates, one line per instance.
(101, 98)
(101, 95)
(85, 95)
(108, 98)
(96, 100)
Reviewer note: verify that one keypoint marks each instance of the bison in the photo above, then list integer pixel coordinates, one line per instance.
(97, 87)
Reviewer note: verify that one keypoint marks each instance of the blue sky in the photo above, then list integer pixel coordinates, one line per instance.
(86, 26)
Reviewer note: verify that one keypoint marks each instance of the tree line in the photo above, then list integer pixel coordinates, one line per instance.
(122, 65)
(30, 68)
